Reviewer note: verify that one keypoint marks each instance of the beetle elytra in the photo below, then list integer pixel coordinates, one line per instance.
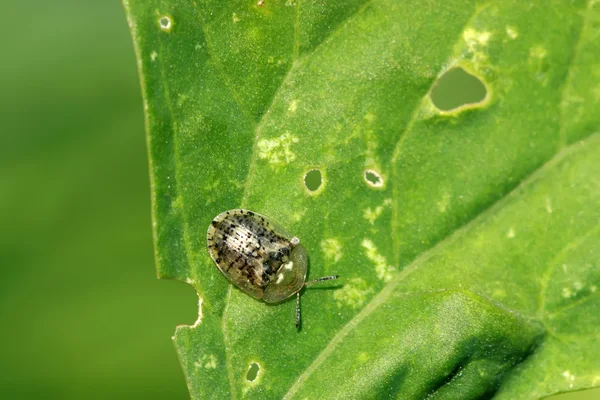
(259, 256)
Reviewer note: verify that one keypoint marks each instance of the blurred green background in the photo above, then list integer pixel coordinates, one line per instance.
(83, 315)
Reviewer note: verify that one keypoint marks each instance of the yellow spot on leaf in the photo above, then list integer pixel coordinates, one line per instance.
(537, 52)
(538, 63)
(382, 269)
(444, 202)
(512, 32)
(371, 215)
(548, 205)
(297, 215)
(569, 377)
(476, 39)
(293, 106)
(476, 43)
(278, 151)
(207, 361)
(354, 293)
(369, 117)
(332, 248)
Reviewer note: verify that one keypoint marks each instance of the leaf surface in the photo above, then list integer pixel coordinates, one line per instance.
(470, 268)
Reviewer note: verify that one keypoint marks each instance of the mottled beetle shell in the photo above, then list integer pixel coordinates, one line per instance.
(257, 255)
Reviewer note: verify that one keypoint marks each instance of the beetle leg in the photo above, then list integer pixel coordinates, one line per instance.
(325, 278)
(298, 310)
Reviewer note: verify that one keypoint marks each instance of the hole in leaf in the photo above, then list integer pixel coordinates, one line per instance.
(252, 372)
(457, 88)
(373, 178)
(313, 180)
(165, 23)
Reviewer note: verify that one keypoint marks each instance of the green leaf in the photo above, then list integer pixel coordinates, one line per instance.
(466, 240)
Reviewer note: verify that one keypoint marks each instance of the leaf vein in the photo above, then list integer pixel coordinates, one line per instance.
(549, 268)
(230, 375)
(398, 278)
(576, 50)
(396, 153)
(296, 29)
(574, 304)
(219, 66)
(296, 63)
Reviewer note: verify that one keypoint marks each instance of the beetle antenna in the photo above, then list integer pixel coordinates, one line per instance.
(325, 278)
(298, 310)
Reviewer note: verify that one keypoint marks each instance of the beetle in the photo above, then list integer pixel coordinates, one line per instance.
(259, 256)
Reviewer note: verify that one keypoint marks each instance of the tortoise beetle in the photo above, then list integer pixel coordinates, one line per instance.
(259, 257)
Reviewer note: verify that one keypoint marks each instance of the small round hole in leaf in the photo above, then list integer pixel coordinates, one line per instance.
(313, 180)
(165, 23)
(373, 178)
(457, 88)
(252, 373)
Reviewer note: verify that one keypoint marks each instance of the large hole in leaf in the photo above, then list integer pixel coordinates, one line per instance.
(457, 88)
(313, 180)
(252, 372)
